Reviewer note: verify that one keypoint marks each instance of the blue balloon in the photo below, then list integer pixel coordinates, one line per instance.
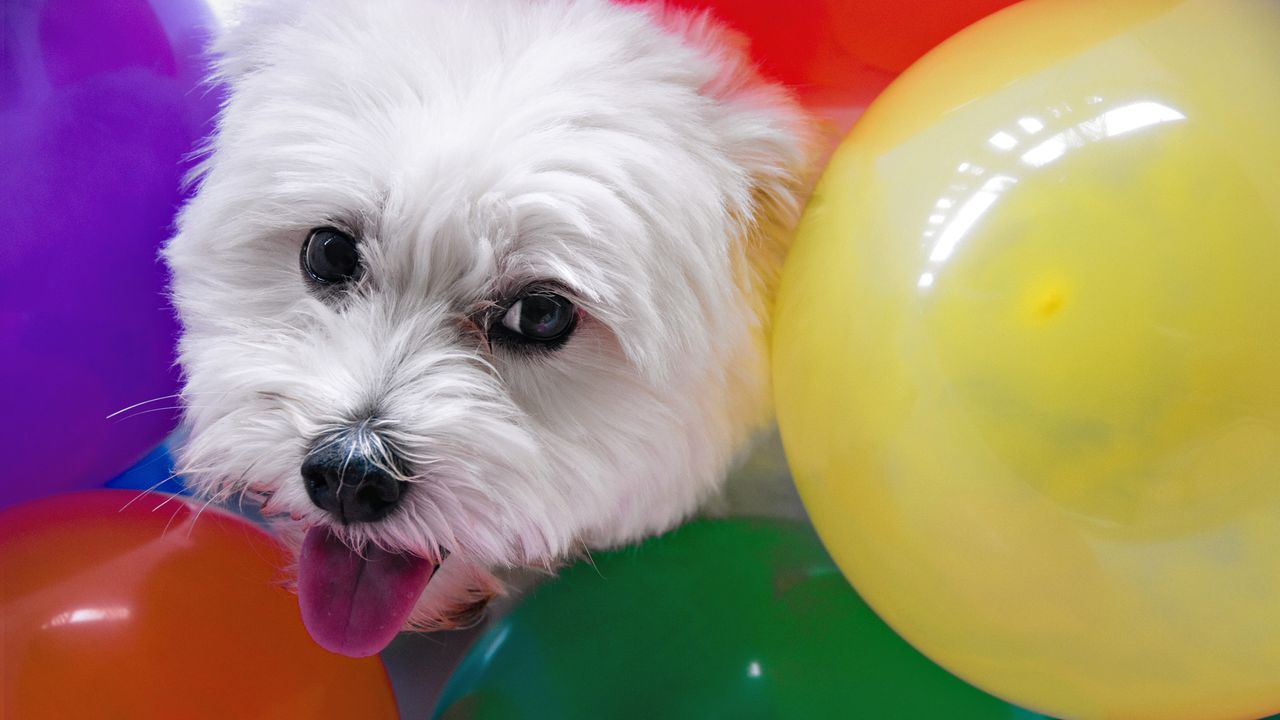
(155, 472)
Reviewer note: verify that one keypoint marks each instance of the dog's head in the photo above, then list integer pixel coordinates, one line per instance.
(468, 286)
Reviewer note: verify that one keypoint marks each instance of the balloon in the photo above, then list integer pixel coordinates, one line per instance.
(839, 54)
(118, 604)
(154, 472)
(723, 619)
(101, 102)
(1027, 357)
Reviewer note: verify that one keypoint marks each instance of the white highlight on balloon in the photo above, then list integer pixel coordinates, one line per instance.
(87, 615)
(1112, 123)
(968, 214)
(1003, 141)
(1030, 125)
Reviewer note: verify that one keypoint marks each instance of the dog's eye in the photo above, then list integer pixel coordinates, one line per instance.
(330, 256)
(540, 317)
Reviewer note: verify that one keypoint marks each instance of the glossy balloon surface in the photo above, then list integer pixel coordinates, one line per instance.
(725, 619)
(119, 605)
(1027, 357)
(100, 104)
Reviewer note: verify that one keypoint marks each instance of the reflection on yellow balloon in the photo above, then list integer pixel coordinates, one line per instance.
(1027, 357)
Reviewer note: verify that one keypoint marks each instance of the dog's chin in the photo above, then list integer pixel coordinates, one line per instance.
(354, 601)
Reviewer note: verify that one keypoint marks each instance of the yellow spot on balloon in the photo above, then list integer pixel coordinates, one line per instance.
(1049, 302)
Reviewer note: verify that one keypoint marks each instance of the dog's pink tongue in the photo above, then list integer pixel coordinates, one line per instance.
(355, 605)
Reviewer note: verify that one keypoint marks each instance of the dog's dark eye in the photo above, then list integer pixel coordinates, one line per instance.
(330, 256)
(539, 317)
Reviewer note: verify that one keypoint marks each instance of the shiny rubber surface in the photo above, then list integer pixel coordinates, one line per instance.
(120, 605)
(1027, 357)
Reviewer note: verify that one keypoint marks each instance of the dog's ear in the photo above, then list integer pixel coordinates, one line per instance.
(770, 138)
(766, 134)
(243, 43)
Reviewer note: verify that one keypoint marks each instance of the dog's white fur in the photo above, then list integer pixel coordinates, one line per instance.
(629, 154)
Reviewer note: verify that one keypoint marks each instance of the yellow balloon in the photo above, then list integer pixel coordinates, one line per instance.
(1027, 357)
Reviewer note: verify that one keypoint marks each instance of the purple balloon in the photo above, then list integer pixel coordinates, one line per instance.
(101, 105)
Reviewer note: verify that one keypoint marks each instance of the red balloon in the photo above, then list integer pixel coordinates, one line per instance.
(839, 54)
(117, 604)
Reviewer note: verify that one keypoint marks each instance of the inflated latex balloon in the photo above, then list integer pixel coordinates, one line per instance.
(723, 619)
(156, 471)
(839, 54)
(101, 103)
(1027, 357)
(121, 605)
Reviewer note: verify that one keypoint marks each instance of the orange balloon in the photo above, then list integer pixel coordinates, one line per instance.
(118, 604)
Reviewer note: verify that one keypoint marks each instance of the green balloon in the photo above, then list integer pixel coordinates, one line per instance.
(718, 619)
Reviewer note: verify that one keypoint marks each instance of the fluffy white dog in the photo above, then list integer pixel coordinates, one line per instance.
(473, 286)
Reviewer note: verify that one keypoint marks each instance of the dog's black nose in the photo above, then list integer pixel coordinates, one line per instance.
(349, 486)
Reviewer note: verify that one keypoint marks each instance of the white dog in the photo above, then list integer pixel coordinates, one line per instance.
(472, 286)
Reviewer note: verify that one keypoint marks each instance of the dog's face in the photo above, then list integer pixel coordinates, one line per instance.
(469, 286)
